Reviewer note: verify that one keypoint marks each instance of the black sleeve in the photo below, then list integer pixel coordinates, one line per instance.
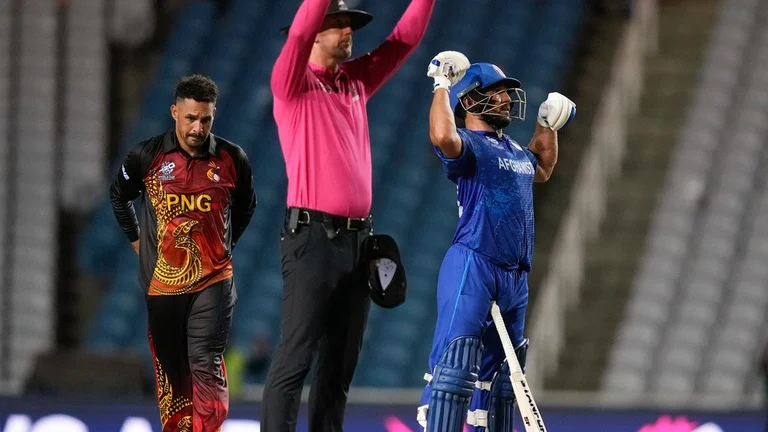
(126, 187)
(243, 197)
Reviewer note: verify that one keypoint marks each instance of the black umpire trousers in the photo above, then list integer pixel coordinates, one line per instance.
(324, 314)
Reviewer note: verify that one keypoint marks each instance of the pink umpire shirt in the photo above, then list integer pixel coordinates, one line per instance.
(321, 116)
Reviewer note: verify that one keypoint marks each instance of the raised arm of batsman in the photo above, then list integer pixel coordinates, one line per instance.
(449, 67)
(446, 69)
(554, 114)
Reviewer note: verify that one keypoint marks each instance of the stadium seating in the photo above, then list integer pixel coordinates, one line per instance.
(413, 201)
(699, 301)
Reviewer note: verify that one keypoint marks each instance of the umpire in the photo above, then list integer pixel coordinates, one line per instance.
(198, 199)
(320, 109)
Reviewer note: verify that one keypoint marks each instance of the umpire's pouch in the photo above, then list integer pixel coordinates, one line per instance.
(386, 274)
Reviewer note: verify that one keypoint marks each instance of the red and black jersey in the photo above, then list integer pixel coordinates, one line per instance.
(195, 209)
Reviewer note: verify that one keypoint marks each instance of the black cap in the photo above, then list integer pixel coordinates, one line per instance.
(386, 274)
(359, 18)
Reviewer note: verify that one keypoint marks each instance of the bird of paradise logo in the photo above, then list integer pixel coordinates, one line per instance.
(212, 173)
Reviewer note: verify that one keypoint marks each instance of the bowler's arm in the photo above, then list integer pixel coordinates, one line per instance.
(126, 187)
(442, 126)
(544, 146)
(243, 197)
(291, 65)
(378, 66)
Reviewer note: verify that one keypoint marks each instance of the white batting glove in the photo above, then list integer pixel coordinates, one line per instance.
(447, 68)
(556, 112)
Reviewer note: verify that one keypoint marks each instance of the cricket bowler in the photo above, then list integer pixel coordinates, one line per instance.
(198, 200)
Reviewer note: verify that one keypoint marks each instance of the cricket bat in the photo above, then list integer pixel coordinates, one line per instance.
(525, 403)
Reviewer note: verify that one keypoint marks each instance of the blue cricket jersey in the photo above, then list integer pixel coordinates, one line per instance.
(494, 178)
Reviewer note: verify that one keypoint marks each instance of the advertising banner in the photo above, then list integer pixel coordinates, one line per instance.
(41, 415)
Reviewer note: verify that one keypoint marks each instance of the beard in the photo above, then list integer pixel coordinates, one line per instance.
(497, 121)
(342, 51)
(194, 140)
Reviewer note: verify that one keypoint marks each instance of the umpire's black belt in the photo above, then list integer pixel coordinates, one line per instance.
(301, 216)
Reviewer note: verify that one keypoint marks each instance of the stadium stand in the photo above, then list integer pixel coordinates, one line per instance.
(408, 181)
(31, 200)
(698, 303)
(5, 84)
(611, 258)
(85, 97)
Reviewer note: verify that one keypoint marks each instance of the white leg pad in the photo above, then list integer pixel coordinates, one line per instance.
(421, 415)
(478, 418)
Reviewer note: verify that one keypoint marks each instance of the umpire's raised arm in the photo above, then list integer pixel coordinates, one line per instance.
(375, 68)
(291, 65)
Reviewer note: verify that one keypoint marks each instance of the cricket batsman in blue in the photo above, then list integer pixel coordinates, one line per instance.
(469, 379)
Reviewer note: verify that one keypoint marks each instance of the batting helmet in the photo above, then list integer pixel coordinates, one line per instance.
(482, 76)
